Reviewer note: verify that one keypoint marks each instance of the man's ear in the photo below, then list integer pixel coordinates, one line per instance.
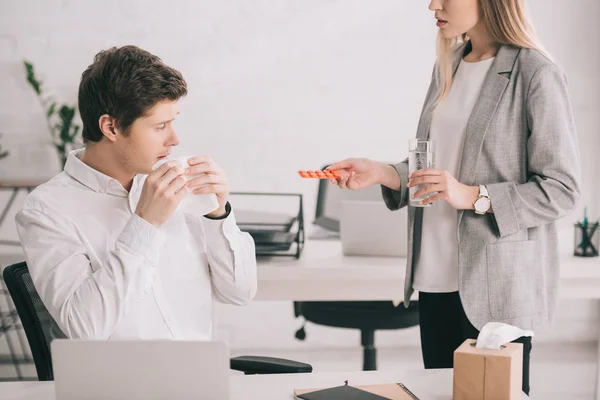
(108, 127)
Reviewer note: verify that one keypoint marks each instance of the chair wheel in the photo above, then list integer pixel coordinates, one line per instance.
(301, 334)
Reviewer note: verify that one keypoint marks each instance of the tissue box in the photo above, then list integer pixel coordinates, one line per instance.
(481, 374)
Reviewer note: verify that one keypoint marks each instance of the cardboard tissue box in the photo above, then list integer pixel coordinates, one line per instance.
(490, 368)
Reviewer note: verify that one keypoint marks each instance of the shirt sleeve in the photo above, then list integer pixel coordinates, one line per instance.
(553, 160)
(231, 259)
(87, 302)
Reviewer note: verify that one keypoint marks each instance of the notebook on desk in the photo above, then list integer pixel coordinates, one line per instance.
(391, 391)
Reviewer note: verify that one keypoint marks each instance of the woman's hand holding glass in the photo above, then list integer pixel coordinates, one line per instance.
(441, 185)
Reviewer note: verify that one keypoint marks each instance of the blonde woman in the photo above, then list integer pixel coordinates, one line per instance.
(507, 167)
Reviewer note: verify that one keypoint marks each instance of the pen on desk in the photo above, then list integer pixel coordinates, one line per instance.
(408, 392)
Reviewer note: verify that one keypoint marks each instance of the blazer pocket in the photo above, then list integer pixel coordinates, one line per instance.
(515, 279)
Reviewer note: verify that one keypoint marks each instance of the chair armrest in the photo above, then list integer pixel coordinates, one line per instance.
(268, 365)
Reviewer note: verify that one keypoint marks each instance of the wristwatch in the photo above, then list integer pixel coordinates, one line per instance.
(482, 203)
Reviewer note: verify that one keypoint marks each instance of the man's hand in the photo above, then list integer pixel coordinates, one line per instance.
(210, 179)
(459, 196)
(162, 192)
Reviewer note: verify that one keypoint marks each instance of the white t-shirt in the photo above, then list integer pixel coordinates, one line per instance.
(437, 267)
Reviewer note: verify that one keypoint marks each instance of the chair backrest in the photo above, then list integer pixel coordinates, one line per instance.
(40, 328)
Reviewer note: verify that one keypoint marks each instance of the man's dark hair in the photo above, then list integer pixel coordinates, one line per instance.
(124, 82)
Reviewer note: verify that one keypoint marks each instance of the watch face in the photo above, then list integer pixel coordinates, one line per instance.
(482, 204)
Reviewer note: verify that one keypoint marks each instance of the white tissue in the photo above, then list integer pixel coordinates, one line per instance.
(200, 204)
(494, 334)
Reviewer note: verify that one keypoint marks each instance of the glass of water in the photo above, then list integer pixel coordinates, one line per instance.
(421, 155)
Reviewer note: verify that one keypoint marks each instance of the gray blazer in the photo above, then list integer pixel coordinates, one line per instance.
(521, 144)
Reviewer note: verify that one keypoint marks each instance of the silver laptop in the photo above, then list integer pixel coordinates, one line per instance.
(132, 370)
(369, 228)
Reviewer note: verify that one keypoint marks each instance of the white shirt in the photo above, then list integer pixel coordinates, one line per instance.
(105, 273)
(437, 266)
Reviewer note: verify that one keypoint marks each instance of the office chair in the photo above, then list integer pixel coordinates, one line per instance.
(367, 316)
(40, 329)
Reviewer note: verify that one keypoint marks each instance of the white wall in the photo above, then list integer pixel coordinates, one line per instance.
(274, 86)
(277, 86)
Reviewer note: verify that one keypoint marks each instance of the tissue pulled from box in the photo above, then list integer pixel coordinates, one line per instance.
(495, 334)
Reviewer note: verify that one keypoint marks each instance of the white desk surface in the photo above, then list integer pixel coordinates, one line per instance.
(324, 273)
(425, 384)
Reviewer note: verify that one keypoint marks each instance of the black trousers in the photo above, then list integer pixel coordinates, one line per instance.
(444, 327)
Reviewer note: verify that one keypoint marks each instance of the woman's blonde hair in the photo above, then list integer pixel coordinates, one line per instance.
(506, 22)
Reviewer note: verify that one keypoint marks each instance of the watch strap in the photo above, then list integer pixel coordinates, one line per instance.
(483, 191)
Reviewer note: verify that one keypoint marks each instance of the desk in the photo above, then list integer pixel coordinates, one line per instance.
(427, 384)
(323, 273)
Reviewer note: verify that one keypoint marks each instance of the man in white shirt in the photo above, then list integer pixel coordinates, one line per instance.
(111, 251)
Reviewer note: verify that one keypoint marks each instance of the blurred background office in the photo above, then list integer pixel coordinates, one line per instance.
(281, 85)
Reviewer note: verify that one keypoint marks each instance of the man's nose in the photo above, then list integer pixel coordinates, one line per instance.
(173, 139)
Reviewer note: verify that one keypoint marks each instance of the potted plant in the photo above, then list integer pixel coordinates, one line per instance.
(65, 132)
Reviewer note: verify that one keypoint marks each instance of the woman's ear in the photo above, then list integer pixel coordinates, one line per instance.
(108, 127)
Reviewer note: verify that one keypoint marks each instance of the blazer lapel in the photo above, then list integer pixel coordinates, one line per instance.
(425, 121)
(493, 88)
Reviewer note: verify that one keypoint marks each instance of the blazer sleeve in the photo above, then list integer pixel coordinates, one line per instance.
(396, 199)
(552, 188)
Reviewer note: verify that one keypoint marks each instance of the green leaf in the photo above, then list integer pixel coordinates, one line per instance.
(66, 115)
(64, 131)
(51, 109)
(31, 78)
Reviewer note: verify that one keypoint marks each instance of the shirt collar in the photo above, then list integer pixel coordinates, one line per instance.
(91, 178)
